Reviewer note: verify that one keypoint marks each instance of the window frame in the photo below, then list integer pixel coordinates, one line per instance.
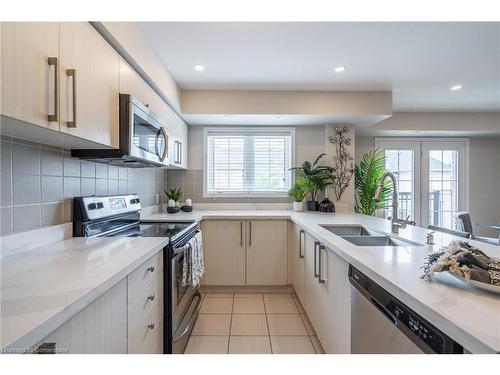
(245, 129)
(421, 146)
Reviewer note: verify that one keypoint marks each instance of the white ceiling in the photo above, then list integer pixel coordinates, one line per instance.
(417, 61)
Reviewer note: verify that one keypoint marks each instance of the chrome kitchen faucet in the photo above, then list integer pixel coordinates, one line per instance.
(395, 222)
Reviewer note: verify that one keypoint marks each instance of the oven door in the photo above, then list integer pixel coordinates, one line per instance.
(185, 304)
(149, 139)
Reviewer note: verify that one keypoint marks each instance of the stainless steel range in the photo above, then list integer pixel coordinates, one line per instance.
(114, 216)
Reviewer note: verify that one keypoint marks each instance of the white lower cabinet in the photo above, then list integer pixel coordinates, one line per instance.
(299, 264)
(99, 328)
(224, 251)
(251, 252)
(128, 318)
(266, 260)
(327, 296)
(145, 307)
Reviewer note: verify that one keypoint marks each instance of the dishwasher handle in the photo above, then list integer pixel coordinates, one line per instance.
(384, 311)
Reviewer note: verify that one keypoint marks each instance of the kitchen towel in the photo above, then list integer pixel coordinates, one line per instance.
(193, 266)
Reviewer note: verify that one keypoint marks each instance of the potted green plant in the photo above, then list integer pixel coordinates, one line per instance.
(174, 195)
(367, 175)
(297, 195)
(313, 178)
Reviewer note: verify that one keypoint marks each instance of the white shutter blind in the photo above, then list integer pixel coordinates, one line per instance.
(249, 162)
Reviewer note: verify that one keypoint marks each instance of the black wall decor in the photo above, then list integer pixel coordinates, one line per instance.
(343, 160)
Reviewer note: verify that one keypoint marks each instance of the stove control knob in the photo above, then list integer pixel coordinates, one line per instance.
(92, 206)
(100, 205)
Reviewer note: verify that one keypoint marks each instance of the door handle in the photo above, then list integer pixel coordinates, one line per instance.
(384, 310)
(165, 149)
(316, 245)
(250, 233)
(71, 73)
(241, 233)
(52, 61)
(178, 152)
(320, 248)
(301, 242)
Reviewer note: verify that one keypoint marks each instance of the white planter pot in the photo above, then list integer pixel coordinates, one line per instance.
(298, 206)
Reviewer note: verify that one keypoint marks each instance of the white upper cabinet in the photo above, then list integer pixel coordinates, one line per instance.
(90, 76)
(30, 53)
(133, 84)
(66, 77)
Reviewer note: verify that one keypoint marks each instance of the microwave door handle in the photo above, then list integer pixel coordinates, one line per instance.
(165, 149)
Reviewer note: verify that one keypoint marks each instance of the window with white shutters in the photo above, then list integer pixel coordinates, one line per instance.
(249, 162)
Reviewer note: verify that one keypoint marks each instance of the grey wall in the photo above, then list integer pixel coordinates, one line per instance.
(484, 180)
(484, 185)
(309, 143)
(38, 183)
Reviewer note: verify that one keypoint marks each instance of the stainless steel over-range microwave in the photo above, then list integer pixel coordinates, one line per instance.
(144, 138)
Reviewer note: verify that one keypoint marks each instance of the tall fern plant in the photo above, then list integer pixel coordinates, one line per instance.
(367, 176)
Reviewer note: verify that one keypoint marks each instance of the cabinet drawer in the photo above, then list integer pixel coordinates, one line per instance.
(142, 338)
(146, 300)
(147, 273)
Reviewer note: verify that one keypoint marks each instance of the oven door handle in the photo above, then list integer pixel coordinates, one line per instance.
(183, 249)
(188, 317)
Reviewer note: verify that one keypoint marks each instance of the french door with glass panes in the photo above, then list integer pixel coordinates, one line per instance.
(432, 178)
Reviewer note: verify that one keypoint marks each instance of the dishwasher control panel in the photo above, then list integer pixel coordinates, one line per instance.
(425, 335)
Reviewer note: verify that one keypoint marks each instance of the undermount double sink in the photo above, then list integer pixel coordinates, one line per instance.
(361, 236)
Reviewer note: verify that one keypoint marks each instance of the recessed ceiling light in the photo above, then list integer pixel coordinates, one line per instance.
(279, 117)
(199, 67)
(228, 116)
(456, 87)
(340, 69)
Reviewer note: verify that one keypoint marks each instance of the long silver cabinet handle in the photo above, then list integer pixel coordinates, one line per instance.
(316, 245)
(301, 242)
(52, 61)
(72, 73)
(241, 233)
(250, 234)
(320, 280)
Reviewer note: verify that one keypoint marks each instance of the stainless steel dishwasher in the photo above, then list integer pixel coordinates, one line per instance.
(381, 324)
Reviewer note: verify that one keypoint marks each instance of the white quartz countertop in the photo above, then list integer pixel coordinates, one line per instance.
(42, 288)
(469, 316)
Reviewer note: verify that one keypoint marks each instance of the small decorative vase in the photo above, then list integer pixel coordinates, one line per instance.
(177, 204)
(298, 206)
(326, 205)
(173, 210)
(312, 205)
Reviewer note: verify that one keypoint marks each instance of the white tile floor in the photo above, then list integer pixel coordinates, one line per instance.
(252, 321)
